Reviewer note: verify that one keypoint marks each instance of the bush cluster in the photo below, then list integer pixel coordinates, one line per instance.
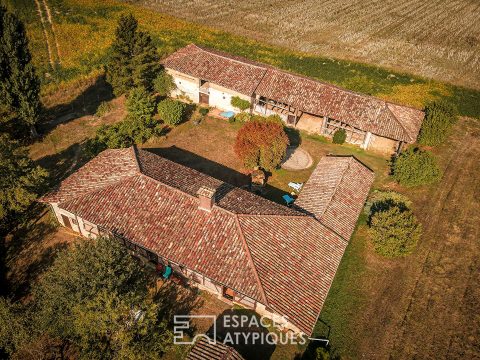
(439, 118)
(340, 136)
(415, 167)
(140, 104)
(171, 111)
(394, 228)
(240, 103)
(163, 84)
(261, 142)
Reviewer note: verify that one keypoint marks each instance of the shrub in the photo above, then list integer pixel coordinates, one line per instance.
(140, 104)
(340, 136)
(415, 167)
(104, 108)
(121, 135)
(163, 84)
(379, 200)
(242, 117)
(261, 142)
(203, 111)
(395, 231)
(240, 103)
(439, 118)
(171, 111)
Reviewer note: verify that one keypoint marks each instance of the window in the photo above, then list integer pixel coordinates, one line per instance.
(228, 293)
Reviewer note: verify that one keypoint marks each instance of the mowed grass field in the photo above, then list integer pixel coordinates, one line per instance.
(70, 40)
(438, 39)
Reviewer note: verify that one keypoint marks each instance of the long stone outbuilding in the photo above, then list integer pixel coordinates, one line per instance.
(212, 78)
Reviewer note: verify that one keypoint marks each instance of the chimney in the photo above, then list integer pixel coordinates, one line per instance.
(206, 198)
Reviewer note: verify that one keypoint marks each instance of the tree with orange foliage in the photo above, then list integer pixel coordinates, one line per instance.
(262, 142)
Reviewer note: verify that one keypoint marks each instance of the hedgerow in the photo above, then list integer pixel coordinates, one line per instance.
(439, 118)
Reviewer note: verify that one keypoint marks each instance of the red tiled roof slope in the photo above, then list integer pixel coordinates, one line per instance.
(109, 167)
(335, 193)
(296, 259)
(203, 350)
(361, 111)
(190, 181)
(222, 69)
(170, 223)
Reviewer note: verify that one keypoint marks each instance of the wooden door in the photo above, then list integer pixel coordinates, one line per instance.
(204, 98)
(66, 221)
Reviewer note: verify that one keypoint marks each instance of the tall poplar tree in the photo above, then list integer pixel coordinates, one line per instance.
(20, 85)
(134, 60)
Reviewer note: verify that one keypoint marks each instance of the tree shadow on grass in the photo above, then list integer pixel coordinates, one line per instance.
(177, 299)
(63, 163)
(86, 103)
(26, 255)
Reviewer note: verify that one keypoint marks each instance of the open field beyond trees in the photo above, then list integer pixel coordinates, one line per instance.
(437, 39)
(70, 41)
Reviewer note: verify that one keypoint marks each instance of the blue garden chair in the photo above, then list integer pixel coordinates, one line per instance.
(288, 199)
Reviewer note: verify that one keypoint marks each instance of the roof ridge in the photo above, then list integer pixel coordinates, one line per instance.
(250, 258)
(398, 122)
(335, 188)
(99, 189)
(213, 52)
(272, 215)
(135, 157)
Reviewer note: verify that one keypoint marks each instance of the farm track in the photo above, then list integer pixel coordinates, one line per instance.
(49, 33)
(438, 39)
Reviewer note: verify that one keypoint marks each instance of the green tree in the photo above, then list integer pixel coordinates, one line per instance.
(96, 297)
(134, 60)
(439, 119)
(14, 327)
(261, 142)
(20, 178)
(395, 230)
(415, 167)
(20, 86)
(145, 61)
(171, 111)
(340, 136)
(140, 104)
(163, 83)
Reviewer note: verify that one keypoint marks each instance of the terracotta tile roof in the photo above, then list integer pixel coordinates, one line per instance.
(363, 112)
(219, 68)
(203, 350)
(107, 168)
(279, 256)
(296, 259)
(336, 192)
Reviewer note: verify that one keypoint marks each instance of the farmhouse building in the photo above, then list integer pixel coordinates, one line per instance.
(213, 78)
(277, 260)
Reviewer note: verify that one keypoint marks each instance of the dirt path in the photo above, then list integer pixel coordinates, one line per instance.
(428, 304)
(45, 33)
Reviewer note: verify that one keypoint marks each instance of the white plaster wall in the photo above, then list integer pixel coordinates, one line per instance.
(58, 213)
(186, 85)
(221, 98)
